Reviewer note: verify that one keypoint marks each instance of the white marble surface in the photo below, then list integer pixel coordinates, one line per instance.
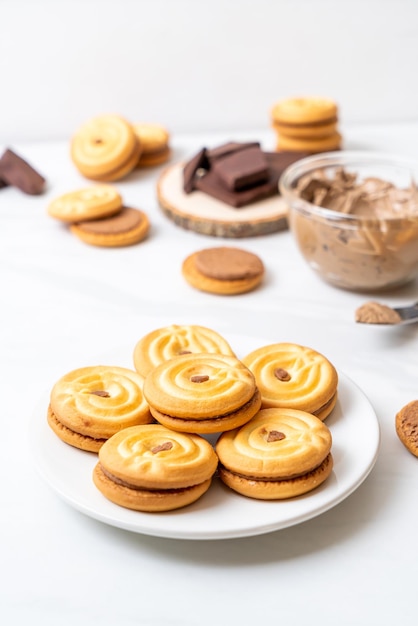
(64, 304)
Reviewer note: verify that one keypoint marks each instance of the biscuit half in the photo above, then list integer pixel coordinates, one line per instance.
(407, 426)
(223, 270)
(128, 227)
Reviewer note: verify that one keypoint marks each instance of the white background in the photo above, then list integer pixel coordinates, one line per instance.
(197, 66)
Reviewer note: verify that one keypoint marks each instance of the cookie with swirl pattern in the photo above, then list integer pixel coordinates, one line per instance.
(202, 393)
(105, 148)
(279, 454)
(90, 404)
(167, 342)
(151, 468)
(294, 376)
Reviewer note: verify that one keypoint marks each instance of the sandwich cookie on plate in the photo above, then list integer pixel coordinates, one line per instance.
(293, 376)
(151, 468)
(279, 454)
(90, 404)
(202, 393)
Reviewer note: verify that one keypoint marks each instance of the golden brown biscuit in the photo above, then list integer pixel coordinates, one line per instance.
(151, 468)
(407, 426)
(304, 110)
(309, 131)
(83, 442)
(92, 403)
(293, 376)
(154, 140)
(86, 204)
(311, 144)
(223, 270)
(202, 393)
(105, 148)
(280, 453)
(167, 342)
(126, 228)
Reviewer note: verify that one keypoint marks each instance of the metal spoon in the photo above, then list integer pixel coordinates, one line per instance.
(382, 315)
(408, 314)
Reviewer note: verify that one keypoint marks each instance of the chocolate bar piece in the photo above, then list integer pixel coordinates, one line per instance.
(17, 172)
(228, 148)
(210, 184)
(199, 161)
(242, 168)
(279, 161)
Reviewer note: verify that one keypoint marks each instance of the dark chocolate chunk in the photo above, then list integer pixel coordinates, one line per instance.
(17, 172)
(279, 161)
(211, 185)
(199, 161)
(242, 168)
(228, 148)
(3, 183)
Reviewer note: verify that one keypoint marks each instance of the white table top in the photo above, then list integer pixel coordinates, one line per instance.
(64, 304)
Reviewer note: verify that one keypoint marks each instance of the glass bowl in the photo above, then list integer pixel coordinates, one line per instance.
(371, 249)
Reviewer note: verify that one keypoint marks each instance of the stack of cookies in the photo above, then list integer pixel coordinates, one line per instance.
(108, 147)
(306, 125)
(98, 216)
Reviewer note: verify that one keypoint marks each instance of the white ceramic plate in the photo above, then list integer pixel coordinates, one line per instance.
(220, 513)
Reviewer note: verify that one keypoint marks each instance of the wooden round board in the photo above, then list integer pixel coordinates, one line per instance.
(204, 214)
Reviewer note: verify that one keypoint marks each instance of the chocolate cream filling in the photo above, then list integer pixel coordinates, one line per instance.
(128, 485)
(269, 479)
(215, 418)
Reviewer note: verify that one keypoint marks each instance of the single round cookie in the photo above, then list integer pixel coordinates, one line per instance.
(407, 426)
(86, 204)
(308, 131)
(93, 403)
(126, 228)
(280, 453)
(154, 140)
(202, 393)
(105, 148)
(163, 344)
(223, 270)
(151, 468)
(310, 144)
(305, 110)
(293, 376)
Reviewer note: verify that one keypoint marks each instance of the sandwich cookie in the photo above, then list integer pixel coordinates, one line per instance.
(151, 468)
(163, 344)
(86, 204)
(154, 140)
(126, 228)
(306, 124)
(292, 376)
(407, 426)
(105, 148)
(90, 404)
(202, 393)
(279, 454)
(223, 270)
